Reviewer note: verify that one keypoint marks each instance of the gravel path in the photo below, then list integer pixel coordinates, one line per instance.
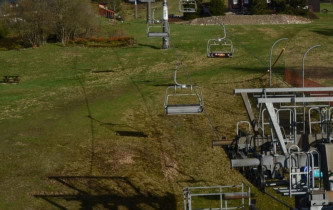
(250, 20)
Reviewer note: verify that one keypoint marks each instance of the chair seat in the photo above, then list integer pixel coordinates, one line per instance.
(184, 109)
(158, 34)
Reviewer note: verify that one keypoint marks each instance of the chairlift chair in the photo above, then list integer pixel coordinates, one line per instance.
(190, 100)
(157, 28)
(183, 108)
(187, 6)
(220, 47)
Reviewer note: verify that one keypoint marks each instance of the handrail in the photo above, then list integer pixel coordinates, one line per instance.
(321, 118)
(243, 190)
(292, 146)
(239, 122)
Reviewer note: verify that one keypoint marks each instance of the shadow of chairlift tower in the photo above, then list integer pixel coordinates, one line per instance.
(122, 129)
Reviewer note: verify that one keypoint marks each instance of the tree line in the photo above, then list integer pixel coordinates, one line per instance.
(37, 21)
(258, 7)
(293, 7)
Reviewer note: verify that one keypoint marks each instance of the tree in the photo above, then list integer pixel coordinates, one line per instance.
(295, 7)
(31, 19)
(217, 7)
(115, 5)
(298, 7)
(280, 6)
(258, 7)
(73, 18)
(36, 20)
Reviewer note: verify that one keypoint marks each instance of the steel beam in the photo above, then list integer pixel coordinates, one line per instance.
(295, 100)
(283, 90)
(249, 111)
(235, 163)
(276, 127)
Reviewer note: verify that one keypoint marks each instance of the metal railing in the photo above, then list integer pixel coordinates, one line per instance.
(221, 193)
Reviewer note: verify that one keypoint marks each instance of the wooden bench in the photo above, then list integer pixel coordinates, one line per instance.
(11, 79)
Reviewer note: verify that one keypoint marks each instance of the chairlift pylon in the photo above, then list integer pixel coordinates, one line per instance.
(188, 6)
(220, 47)
(187, 98)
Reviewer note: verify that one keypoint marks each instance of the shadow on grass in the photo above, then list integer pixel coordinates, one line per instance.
(326, 32)
(189, 178)
(153, 83)
(11, 43)
(103, 71)
(151, 46)
(243, 70)
(164, 85)
(121, 129)
(131, 133)
(105, 192)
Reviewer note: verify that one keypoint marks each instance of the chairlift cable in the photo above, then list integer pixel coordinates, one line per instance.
(212, 125)
(250, 51)
(161, 148)
(234, 37)
(180, 62)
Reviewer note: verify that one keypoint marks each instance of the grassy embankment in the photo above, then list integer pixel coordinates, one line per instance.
(98, 113)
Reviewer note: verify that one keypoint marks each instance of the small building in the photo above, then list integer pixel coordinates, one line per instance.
(105, 12)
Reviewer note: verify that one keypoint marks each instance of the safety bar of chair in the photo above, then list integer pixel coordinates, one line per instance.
(193, 89)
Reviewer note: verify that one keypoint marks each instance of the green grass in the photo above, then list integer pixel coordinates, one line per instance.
(81, 111)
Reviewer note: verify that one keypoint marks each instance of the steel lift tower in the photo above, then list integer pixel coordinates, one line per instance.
(165, 44)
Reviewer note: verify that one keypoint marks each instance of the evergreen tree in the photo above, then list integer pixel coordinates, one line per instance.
(298, 7)
(280, 6)
(258, 7)
(294, 7)
(217, 7)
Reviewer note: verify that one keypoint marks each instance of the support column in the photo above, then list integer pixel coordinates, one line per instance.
(275, 125)
(135, 9)
(250, 114)
(148, 12)
(165, 44)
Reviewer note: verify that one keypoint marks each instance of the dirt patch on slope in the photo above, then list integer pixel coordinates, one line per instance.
(250, 20)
